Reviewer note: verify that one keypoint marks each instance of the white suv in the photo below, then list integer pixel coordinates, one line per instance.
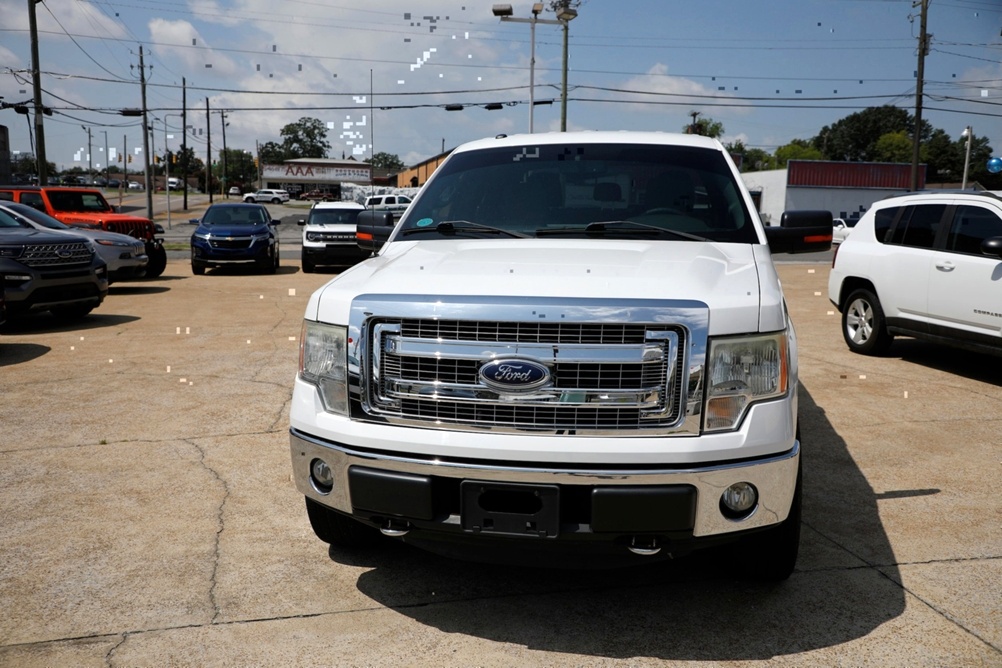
(329, 236)
(273, 196)
(925, 265)
(387, 202)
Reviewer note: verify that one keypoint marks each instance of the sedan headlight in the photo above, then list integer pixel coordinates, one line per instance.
(323, 361)
(742, 371)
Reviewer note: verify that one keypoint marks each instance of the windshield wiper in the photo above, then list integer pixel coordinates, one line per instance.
(449, 227)
(605, 226)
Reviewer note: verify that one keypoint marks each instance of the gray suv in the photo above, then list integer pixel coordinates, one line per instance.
(49, 271)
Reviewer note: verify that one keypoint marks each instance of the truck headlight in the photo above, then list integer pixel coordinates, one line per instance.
(742, 371)
(323, 361)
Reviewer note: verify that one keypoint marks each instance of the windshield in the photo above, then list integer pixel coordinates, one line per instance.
(588, 190)
(72, 201)
(7, 220)
(234, 215)
(333, 216)
(34, 215)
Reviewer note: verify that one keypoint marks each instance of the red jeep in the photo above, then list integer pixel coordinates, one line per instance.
(88, 207)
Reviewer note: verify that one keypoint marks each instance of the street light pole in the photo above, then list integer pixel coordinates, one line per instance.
(565, 15)
(969, 133)
(504, 12)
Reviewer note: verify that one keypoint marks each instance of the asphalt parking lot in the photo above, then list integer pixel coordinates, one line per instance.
(149, 517)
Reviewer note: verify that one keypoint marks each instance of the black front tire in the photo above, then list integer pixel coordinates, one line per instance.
(864, 326)
(339, 530)
(197, 269)
(158, 259)
(308, 266)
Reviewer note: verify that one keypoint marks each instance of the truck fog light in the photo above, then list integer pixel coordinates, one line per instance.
(739, 500)
(321, 476)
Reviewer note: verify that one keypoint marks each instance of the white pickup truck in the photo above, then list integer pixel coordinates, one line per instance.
(571, 346)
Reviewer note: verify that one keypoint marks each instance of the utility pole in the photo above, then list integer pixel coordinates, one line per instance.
(208, 150)
(146, 138)
(36, 75)
(107, 160)
(90, 163)
(184, 138)
(222, 117)
(923, 49)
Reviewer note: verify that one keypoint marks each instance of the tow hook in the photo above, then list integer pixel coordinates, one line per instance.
(394, 529)
(645, 546)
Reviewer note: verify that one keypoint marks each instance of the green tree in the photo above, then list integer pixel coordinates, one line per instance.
(706, 127)
(798, 149)
(389, 161)
(894, 147)
(240, 167)
(273, 153)
(855, 137)
(306, 138)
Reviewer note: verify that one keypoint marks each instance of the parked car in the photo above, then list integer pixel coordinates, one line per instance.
(316, 195)
(329, 236)
(235, 233)
(841, 228)
(924, 265)
(135, 185)
(273, 196)
(234, 191)
(87, 207)
(49, 271)
(387, 202)
(125, 256)
(114, 183)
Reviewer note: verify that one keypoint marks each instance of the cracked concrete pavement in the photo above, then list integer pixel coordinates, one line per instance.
(149, 517)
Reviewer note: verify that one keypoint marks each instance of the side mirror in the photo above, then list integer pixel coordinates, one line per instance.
(158, 228)
(301, 221)
(193, 221)
(801, 232)
(992, 246)
(373, 228)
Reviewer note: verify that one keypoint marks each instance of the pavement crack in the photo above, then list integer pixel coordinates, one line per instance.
(111, 651)
(220, 526)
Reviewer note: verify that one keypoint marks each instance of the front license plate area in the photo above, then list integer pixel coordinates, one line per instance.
(510, 509)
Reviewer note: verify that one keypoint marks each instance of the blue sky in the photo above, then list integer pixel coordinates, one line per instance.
(378, 74)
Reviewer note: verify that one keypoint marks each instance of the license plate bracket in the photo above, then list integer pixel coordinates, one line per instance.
(510, 509)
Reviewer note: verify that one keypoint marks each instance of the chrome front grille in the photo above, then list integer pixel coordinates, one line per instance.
(604, 376)
(234, 243)
(56, 255)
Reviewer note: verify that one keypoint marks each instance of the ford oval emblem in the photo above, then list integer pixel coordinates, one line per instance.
(514, 375)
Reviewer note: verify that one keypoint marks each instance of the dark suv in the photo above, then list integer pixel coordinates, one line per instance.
(235, 234)
(48, 271)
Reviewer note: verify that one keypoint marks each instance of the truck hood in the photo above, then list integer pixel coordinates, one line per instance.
(736, 281)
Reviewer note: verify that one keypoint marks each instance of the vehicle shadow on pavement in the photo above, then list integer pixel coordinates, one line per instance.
(19, 353)
(43, 323)
(134, 289)
(845, 585)
(972, 365)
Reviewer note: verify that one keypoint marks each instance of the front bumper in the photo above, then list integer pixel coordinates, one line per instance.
(609, 503)
(255, 252)
(335, 255)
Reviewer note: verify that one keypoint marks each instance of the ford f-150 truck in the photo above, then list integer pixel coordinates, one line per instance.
(571, 345)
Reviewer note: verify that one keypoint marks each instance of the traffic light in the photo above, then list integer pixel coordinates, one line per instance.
(120, 157)
(156, 160)
(130, 158)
